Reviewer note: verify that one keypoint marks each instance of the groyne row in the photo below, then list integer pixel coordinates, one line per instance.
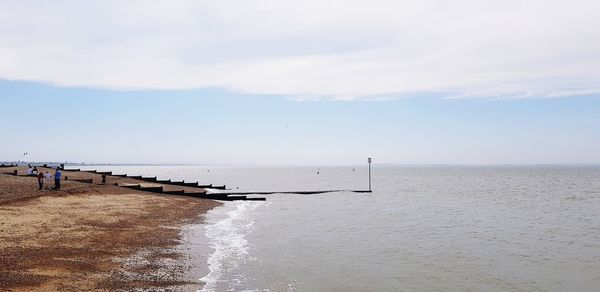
(156, 185)
(154, 179)
(201, 193)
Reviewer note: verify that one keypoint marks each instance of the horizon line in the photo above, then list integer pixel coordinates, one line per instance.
(300, 165)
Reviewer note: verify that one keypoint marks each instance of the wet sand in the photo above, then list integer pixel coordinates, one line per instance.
(91, 236)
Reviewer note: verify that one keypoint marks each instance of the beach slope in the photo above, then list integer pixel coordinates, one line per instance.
(90, 236)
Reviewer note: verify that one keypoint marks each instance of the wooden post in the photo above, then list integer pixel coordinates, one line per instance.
(369, 161)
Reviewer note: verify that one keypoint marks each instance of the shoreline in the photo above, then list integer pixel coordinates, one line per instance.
(90, 236)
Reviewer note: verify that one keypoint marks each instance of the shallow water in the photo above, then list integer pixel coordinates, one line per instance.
(422, 229)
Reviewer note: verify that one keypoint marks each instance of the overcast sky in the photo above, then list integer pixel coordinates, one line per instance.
(412, 67)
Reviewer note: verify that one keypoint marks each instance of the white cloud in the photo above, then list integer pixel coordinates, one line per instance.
(309, 50)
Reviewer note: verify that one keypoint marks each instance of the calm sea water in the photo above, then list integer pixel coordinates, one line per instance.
(422, 229)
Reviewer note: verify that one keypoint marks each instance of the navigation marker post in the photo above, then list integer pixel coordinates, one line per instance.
(369, 161)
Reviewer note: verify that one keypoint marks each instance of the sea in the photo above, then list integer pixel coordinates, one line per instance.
(423, 228)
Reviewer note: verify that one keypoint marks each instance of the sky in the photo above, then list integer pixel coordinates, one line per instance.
(301, 82)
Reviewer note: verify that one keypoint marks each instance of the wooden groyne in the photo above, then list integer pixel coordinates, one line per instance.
(154, 179)
(87, 181)
(295, 192)
(154, 188)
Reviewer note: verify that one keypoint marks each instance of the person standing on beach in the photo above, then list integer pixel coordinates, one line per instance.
(41, 178)
(57, 176)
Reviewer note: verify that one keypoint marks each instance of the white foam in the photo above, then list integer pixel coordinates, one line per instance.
(228, 238)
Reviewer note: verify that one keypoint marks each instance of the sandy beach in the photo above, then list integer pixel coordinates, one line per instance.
(92, 236)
